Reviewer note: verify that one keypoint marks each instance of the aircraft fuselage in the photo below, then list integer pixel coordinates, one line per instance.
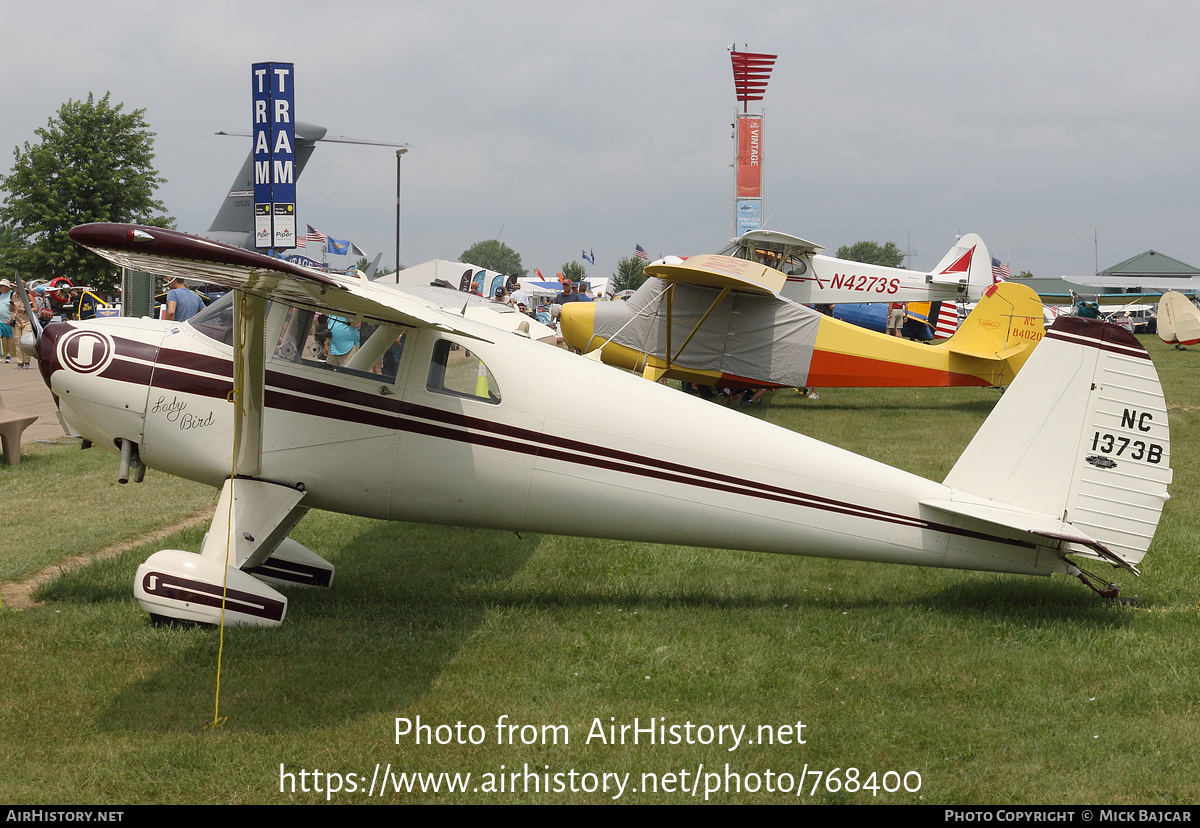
(541, 440)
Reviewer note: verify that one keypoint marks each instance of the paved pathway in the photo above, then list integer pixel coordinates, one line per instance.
(25, 392)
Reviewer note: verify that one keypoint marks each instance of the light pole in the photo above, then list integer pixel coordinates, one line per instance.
(399, 153)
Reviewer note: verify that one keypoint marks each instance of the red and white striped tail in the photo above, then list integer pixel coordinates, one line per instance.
(947, 321)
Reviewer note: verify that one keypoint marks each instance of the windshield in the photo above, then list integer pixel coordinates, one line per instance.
(216, 321)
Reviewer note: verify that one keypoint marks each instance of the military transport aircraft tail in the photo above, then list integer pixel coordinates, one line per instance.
(234, 222)
(1095, 454)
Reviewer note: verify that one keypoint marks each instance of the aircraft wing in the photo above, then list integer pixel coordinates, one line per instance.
(776, 241)
(1180, 283)
(713, 270)
(171, 253)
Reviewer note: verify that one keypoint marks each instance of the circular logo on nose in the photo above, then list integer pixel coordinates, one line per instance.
(85, 352)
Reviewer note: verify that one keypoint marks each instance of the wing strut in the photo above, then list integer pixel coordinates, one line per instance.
(246, 552)
(653, 372)
(250, 333)
(711, 308)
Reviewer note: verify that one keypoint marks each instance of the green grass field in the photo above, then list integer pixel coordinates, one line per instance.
(994, 689)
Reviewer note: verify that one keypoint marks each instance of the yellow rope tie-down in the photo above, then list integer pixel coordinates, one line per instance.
(235, 397)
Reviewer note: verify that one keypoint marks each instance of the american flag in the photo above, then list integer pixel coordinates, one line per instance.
(314, 235)
(1001, 272)
(640, 253)
(947, 321)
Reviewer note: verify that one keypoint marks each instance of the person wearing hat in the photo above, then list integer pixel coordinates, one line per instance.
(515, 295)
(6, 332)
(568, 294)
(182, 304)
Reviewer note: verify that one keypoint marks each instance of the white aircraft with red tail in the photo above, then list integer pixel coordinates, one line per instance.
(475, 426)
(962, 275)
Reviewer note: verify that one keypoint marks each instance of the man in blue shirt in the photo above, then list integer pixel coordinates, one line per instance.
(6, 333)
(568, 294)
(182, 304)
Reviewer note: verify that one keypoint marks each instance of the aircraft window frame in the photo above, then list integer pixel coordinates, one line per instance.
(439, 365)
(375, 352)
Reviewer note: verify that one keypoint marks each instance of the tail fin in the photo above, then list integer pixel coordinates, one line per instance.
(1178, 320)
(1081, 437)
(234, 221)
(1001, 331)
(968, 263)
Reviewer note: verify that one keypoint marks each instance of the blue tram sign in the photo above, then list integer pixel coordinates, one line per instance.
(274, 135)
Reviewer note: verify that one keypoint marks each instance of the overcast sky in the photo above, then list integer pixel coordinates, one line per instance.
(601, 125)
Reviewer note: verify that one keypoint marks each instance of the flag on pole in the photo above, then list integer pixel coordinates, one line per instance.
(947, 321)
(1001, 272)
(587, 259)
(355, 250)
(339, 247)
(315, 236)
(640, 253)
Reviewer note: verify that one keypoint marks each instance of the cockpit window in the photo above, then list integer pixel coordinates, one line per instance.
(216, 321)
(460, 373)
(771, 254)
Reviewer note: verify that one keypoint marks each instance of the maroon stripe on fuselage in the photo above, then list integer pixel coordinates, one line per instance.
(137, 373)
(1105, 336)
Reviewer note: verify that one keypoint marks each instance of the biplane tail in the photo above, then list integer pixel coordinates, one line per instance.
(1077, 452)
(998, 336)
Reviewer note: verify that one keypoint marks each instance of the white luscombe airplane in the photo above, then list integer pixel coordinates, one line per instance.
(471, 428)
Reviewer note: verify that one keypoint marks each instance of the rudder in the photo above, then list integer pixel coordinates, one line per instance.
(1005, 325)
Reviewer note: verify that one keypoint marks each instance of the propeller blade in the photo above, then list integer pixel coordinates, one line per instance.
(34, 322)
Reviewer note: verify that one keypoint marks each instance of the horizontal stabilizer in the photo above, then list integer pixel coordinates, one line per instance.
(1032, 523)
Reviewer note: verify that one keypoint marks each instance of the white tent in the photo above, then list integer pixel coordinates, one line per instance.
(427, 272)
